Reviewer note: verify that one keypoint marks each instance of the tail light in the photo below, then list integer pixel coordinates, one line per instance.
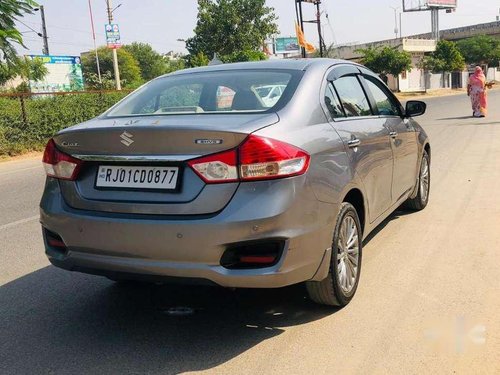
(265, 158)
(60, 165)
(258, 158)
(217, 168)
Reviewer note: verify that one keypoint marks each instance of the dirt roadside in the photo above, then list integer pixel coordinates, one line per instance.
(405, 96)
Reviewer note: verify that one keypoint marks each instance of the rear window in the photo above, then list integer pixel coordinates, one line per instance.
(211, 92)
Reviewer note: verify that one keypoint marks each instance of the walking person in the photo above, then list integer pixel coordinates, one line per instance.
(477, 92)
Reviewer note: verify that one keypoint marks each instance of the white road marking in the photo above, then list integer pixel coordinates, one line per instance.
(19, 222)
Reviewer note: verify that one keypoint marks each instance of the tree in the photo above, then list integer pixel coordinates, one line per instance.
(10, 10)
(175, 64)
(151, 63)
(6, 73)
(198, 59)
(130, 73)
(386, 60)
(25, 68)
(228, 27)
(246, 55)
(446, 58)
(480, 50)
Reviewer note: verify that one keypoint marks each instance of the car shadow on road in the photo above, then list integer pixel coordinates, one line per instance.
(53, 321)
(394, 216)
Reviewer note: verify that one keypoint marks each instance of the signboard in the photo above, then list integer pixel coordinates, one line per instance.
(418, 5)
(287, 45)
(445, 4)
(113, 35)
(64, 74)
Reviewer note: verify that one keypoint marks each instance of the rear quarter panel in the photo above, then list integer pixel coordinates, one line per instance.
(304, 124)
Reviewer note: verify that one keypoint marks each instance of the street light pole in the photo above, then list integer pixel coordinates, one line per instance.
(396, 31)
(45, 50)
(115, 55)
(401, 25)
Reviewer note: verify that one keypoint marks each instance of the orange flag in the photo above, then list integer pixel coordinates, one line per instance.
(302, 39)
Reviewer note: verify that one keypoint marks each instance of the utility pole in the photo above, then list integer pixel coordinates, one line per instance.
(300, 19)
(318, 21)
(95, 45)
(115, 55)
(45, 50)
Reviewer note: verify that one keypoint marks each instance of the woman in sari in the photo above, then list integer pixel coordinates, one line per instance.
(477, 92)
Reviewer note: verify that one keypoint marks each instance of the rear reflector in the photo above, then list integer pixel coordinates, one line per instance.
(257, 259)
(54, 241)
(257, 158)
(60, 165)
(260, 254)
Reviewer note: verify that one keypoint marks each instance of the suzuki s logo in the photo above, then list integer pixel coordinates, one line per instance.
(126, 138)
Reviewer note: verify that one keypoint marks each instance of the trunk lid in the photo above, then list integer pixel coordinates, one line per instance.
(167, 141)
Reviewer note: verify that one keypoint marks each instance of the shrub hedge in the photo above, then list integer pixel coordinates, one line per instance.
(45, 116)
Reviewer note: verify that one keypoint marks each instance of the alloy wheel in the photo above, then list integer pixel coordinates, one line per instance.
(348, 254)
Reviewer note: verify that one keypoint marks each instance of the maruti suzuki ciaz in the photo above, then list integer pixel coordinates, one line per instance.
(194, 177)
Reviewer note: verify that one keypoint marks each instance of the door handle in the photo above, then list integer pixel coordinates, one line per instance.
(393, 135)
(353, 143)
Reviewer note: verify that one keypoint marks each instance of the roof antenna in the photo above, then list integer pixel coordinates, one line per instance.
(215, 60)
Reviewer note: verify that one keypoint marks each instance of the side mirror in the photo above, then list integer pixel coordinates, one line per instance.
(415, 108)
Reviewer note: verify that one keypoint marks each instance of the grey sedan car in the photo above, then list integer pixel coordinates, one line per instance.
(194, 177)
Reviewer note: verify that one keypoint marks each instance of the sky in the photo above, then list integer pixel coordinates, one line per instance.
(161, 22)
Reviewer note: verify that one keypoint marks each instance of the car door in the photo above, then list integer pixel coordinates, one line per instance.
(366, 139)
(403, 137)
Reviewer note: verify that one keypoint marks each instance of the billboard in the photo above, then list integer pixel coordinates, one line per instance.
(286, 45)
(113, 35)
(445, 4)
(64, 74)
(418, 5)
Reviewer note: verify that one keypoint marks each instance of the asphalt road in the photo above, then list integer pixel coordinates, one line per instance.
(428, 301)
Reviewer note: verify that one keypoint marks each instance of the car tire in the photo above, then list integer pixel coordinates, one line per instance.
(424, 184)
(339, 288)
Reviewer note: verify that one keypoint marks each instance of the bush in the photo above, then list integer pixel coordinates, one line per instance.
(45, 116)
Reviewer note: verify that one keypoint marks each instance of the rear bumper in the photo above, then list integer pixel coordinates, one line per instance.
(161, 247)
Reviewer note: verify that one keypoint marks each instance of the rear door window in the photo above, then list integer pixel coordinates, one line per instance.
(353, 98)
(385, 105)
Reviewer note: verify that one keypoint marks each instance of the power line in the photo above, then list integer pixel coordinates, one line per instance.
(37, 32)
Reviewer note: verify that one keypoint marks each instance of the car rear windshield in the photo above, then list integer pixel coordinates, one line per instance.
(229, 91)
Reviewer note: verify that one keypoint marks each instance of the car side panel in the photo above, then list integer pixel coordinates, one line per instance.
(406, 156)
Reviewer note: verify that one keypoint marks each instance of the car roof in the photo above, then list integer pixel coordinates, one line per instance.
(289, 64)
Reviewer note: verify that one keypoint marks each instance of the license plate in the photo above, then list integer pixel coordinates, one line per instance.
(164, 178)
